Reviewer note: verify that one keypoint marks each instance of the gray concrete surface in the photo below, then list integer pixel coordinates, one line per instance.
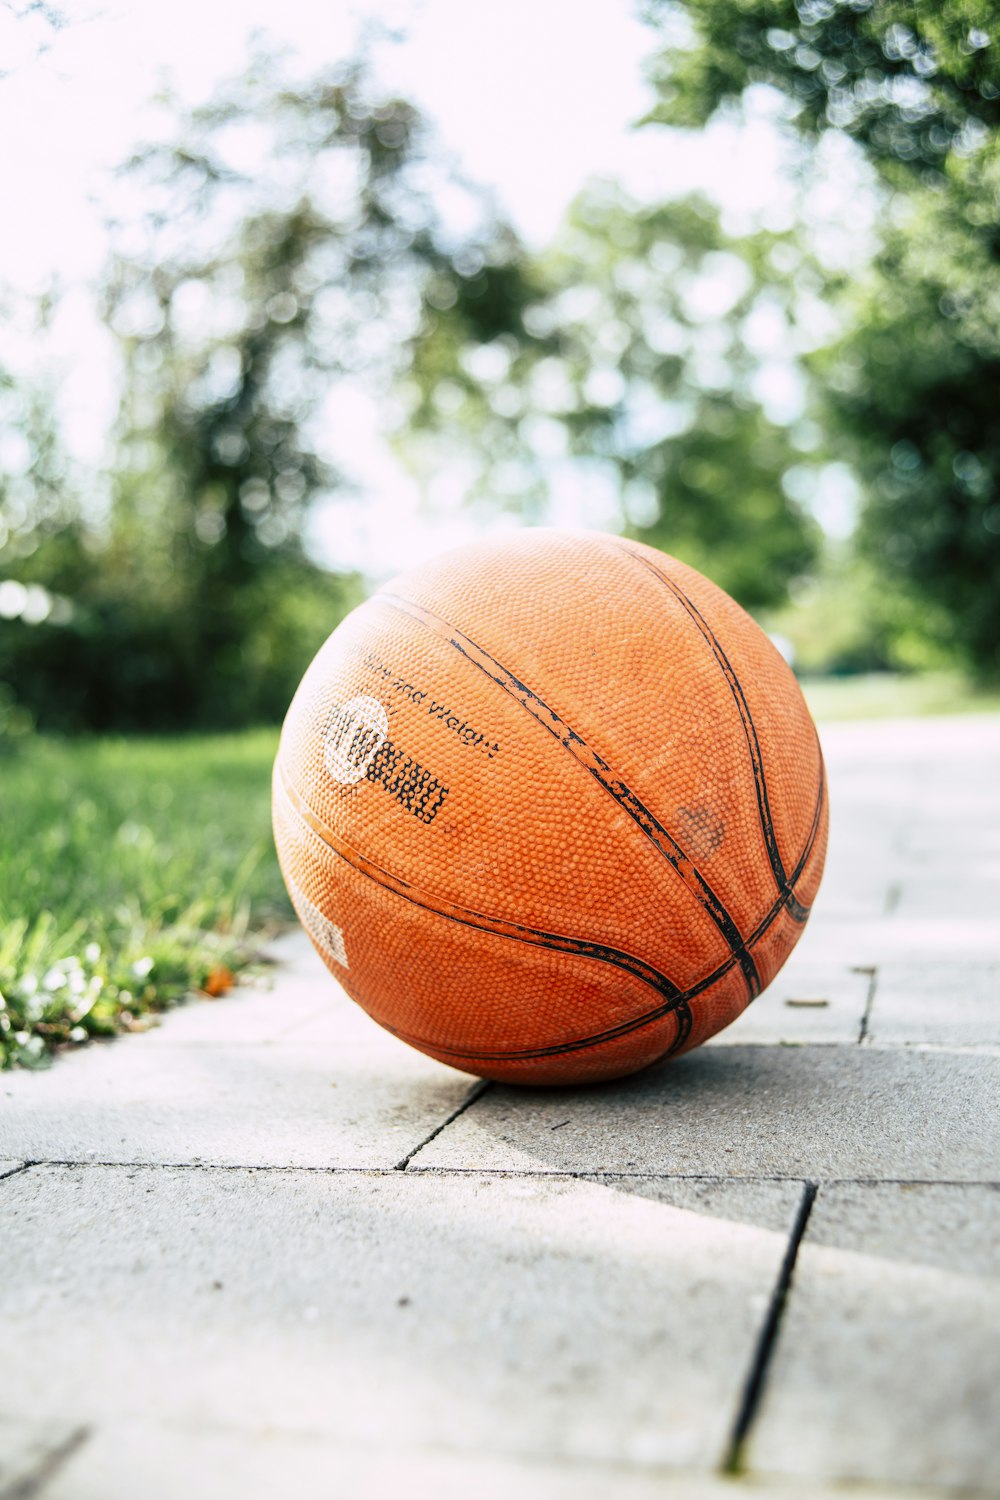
(888, 1360)
(159, 1462)
(813, 999)
(265, 1249)
(295, 1104)
(343, 1303)
(825, 1112)
(29, 1446)
(942, 1003)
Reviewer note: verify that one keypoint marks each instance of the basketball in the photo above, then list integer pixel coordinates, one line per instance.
(551, 807)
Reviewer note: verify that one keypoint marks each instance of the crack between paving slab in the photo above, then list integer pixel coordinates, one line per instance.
(754, 1388)
(869, 1002)
(32, 1484)
(653, 1174)
(582, 1173)
(22, 1166)
(476, 1092)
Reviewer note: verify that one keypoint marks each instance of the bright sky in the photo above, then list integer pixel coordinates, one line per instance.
(532, 97)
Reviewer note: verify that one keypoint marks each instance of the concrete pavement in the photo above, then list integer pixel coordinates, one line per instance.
(268, 1250)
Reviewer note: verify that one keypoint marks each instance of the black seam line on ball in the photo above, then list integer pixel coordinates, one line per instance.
(685, 1022)
(678, 1003)
(783, 903)
(679, 1009)
(743, 707)
(599, 769)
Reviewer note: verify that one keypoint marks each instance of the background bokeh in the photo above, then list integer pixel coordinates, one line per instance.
(286, 310)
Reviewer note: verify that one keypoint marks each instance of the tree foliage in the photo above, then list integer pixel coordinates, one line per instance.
(913, 391)
(287, 237)
(912, 80)
(657, 316)
(640, 381)
(910, 387)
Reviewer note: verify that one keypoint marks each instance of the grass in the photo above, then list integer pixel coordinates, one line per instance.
(132, 872)
(883, 695)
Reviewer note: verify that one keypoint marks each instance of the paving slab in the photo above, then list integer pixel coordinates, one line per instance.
(532, 1319)
(939, 931)
(813, 999)
(887, 1364)
(735, 1200)
(366, 1104)
(915, 813)
(161, 1462)
(31, 1449)
(812, 1112)
(943, 1003)
(290, 990)
(945, 887)
(954, 1227)
(966, 831)
(896, 939)
(862, 871)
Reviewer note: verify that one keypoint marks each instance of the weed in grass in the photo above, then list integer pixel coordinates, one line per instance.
(888, 695)
(132, 872)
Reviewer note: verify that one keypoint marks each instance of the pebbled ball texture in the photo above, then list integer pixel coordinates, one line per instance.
(551, 807)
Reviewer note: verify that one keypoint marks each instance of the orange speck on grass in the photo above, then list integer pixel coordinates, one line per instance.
(218, 981)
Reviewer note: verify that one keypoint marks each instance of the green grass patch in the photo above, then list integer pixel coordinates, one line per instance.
(132, 872)
(887, 695)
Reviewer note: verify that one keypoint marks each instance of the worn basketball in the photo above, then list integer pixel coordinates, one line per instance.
(551, 807)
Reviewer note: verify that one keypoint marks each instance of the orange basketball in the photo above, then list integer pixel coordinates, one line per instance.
(551, 807)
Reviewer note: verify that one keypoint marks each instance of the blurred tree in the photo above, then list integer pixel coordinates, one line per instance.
(910, 388)
(41, 550)
(843, 620)
(653, 340)
(912, 80)
(288, 236)
(34, 504)
(27, 30)
(670, 332)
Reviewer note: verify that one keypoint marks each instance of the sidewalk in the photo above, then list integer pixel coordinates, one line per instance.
(266, 1250)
